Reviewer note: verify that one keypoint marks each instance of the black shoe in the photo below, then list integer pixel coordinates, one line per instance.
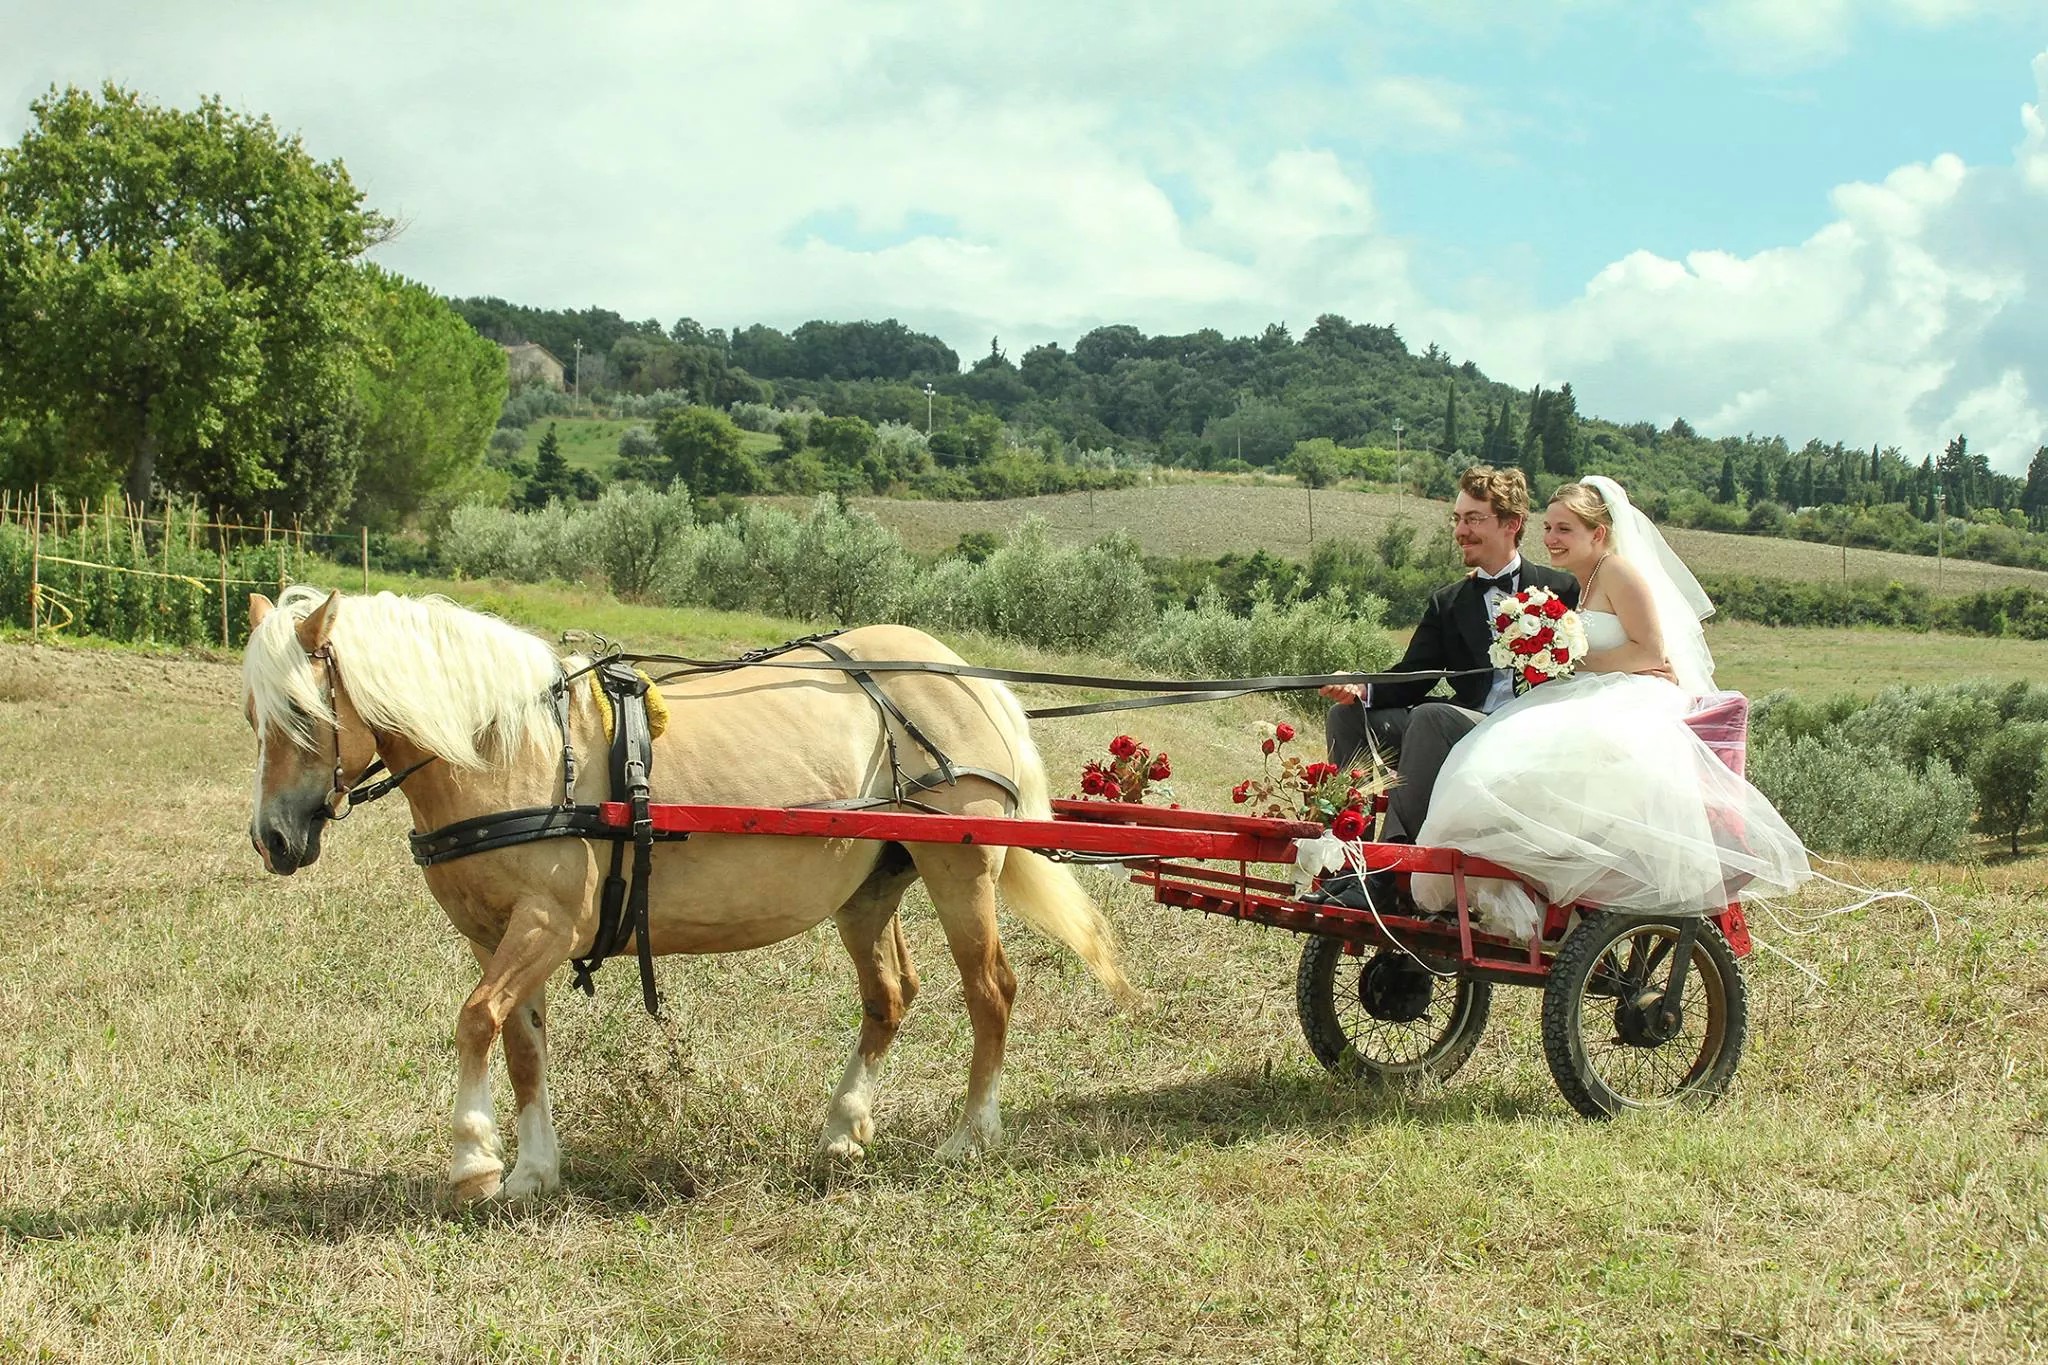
(1379, 891)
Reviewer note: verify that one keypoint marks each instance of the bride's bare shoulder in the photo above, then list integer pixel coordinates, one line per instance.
(1619, 583)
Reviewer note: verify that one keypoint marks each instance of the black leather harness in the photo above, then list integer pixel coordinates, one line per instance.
(622, 909)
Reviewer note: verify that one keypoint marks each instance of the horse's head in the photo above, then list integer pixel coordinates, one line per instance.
(311, 746)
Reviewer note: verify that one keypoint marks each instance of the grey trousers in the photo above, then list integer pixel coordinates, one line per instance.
(1418, 740)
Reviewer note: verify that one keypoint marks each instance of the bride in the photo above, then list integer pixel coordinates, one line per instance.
(1591, 787)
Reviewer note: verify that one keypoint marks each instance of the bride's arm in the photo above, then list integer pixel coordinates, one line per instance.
(1628, 596)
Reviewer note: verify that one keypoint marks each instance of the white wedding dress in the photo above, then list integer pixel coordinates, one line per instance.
(1593, 789)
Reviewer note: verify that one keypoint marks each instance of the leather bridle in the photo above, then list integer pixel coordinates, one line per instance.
(342, 798)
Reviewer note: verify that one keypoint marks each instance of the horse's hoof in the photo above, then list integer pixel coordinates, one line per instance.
(967, 1142)
(845, 1148)
(525, 1183)
(475, 1189)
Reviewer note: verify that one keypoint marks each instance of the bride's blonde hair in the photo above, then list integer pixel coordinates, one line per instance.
(1585, 503)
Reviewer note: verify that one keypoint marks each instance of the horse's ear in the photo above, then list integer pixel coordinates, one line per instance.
(319, 623)
(259, 607)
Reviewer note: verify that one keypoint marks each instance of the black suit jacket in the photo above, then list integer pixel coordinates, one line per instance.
(1454, 634)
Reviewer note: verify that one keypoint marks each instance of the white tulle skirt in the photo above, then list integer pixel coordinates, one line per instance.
(1593, 789)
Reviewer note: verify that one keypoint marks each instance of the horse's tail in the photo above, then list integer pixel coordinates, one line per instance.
(1045, 894)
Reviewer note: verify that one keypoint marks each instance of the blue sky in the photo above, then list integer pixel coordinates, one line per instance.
(1813, 217)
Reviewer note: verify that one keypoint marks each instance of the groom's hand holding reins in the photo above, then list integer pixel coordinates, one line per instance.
(1343, 693)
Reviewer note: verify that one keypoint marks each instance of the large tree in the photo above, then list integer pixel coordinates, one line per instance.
(180, 297)
(429, 390)
(704, 450)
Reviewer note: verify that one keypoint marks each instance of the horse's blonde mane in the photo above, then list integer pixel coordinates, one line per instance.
(467, 687)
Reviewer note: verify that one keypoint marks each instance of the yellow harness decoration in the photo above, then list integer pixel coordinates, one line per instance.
(657, 707)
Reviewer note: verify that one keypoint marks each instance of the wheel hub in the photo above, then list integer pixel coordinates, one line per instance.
(1640, 1022)
(1394, 990)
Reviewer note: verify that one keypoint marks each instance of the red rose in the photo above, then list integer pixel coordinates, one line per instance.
(1563, 656)
(1533, 676)
(1502, 621)
(1160, 769)
(1091, 782)
(1523, 646)
(1110, 789)
(1542, 639)
(1348, 825)
(1241, 793)
(1358, 774)
(1123, 746)
(1555, 608)
(1283, 732)
(1267, 746)
(1354, 797)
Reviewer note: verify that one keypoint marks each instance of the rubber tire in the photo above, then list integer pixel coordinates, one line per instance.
(1564, 995)
(1315, 1001)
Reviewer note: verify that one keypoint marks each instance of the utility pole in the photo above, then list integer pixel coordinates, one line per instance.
(1398, 429)
(578, 393)
(1940, 532)
(927, 411)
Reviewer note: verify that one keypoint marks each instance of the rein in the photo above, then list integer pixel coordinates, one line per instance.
(1170, 691)
(623, 906)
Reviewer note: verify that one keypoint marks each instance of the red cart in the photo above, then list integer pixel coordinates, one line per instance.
(1638, 1010)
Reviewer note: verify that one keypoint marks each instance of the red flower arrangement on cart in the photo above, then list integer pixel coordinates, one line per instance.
(1131, 772)
(1537, 636)
(1322, 793)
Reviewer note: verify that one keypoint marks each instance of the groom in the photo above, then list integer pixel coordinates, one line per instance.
(1454, 635)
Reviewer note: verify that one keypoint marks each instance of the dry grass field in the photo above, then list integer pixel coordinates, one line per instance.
(1207, 519)
(1182, 1182)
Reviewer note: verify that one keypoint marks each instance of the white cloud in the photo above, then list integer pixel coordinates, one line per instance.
(1913, 316)
(1780, 35)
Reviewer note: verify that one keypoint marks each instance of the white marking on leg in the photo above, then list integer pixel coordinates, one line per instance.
(475, 1127)
(538, 1169)
(981, 1127)
(850, 1120)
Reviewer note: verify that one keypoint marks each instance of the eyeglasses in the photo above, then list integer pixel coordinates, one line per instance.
(1472, 520)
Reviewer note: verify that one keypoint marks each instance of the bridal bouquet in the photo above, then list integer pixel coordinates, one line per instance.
(1131, 771)
(1537, 637)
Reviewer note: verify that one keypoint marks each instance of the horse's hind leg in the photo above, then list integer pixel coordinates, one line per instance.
(873, 936)
(537, 1169)
(515, 973)
(962, 881)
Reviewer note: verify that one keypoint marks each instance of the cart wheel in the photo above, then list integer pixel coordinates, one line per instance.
(1607, 1049)
(1382, 1017)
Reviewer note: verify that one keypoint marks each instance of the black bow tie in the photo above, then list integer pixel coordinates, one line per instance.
(1506, 582)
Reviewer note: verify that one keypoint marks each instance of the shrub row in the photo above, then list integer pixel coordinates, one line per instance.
(1902, 775)
(840, 565)
(2015, 611)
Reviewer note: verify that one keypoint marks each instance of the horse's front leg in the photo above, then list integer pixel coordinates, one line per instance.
(537, 1166)
(514, 974)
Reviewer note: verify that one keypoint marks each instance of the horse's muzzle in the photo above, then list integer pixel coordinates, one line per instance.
(283, 854)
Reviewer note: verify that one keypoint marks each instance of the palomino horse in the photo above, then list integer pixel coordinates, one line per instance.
(331, 684)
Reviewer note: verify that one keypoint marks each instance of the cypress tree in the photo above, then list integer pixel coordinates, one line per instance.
(551, 477)
(2034, 497)
(1450, 417)
(1759, 481)
(1726, 494)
